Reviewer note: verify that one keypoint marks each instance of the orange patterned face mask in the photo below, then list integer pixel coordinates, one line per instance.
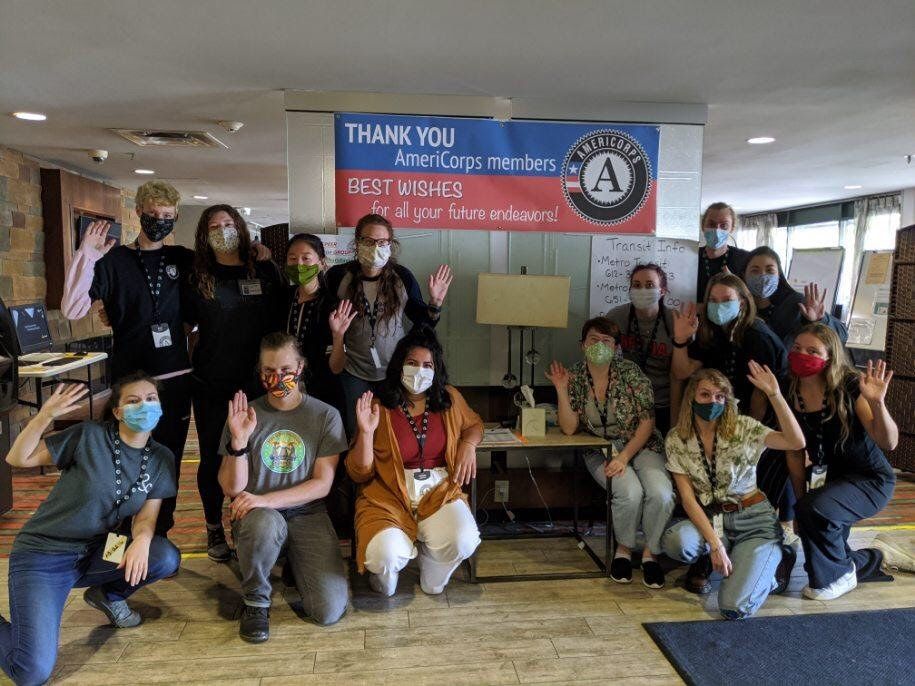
(280, 385)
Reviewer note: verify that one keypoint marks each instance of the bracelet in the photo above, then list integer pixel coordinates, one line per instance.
(434, 308)
(233, 452)
(673, 342)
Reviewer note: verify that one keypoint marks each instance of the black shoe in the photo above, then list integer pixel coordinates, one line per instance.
(217, 548)
(783, 571)
(287, 575)
(255, 624)
(697, 576)
(621, 570)
(652, 574)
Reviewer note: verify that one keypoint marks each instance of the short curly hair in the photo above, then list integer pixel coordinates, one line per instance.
(159, 193)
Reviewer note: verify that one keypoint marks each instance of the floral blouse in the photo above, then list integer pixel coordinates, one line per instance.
(735, 461)
(630, 396)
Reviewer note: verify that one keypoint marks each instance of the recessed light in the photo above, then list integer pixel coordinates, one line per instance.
(30, 116)
(851, 188)
(760, 140)
(144, 171)
(201, 197)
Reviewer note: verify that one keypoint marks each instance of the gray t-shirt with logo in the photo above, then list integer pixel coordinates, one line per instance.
(652, 355)
(284, 446)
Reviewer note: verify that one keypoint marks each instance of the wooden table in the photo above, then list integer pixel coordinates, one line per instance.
(553, 440)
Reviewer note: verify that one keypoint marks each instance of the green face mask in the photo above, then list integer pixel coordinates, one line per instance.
(301, 274)
(599, 353)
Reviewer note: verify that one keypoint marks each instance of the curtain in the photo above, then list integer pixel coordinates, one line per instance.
(755, 230)
(867, 210)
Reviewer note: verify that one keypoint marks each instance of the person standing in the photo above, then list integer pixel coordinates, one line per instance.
(719, 222)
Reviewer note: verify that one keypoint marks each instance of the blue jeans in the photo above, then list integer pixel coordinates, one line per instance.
(39, 584)
(353, 388)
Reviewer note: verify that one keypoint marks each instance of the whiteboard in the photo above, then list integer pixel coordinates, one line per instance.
(614, 257)
(871, 305)
(822, 266)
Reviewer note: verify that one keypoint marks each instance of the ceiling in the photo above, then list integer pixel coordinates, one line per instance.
(832, 80)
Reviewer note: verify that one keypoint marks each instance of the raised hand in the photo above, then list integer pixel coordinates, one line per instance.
(241, 420)
(558, 375)
(763, 378)
(686, 322)
(95, 243)
(814, 306)
(439, 283)
(367, 414)
(874, 381)
(63, 400)
(341, 318)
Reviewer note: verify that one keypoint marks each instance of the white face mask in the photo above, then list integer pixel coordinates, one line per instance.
(416, 379)
(375, 256)
(643, 298)
(223, 239)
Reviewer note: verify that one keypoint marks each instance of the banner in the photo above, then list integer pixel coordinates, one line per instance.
(454, 173)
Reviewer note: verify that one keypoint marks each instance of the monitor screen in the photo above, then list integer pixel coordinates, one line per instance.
(31, 323)
(82, 223)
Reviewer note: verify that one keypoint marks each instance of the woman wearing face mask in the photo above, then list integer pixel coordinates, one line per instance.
(235, 301)
(612, 398)
(109, 472)
(376, 293)
(712, 453)
(847, 426)
(414, 450)
(778, 304)
(647, 341)
(719, 221)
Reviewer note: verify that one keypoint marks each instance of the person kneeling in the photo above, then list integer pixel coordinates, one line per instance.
(279, 460)
(712, 454)
(413, 451)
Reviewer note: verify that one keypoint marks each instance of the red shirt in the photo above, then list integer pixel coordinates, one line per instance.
(434, 452)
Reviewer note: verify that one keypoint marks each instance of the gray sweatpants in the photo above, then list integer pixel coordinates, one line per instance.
(313, 553)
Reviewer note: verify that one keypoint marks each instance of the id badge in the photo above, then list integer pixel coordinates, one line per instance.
(115, 545)
(162, 337)
(718, 524)
(375, 358)
(817, 476)
(250, 287)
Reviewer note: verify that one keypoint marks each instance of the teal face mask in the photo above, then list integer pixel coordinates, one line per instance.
(142, 416)
(723, 313)
(599, 353)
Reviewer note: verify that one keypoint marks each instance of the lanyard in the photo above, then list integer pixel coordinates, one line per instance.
(633, 319)
(706, 262)
(300, 330)
(602, 411)
(420, 435)
(371, 313)
(122, 493)
(710, 463)
(154, 289)
(809, 418)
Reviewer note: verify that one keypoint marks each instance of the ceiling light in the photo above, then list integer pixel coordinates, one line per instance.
(201, 197)
(30, 116)
(851, 188)
(144, 171)
(760, 140)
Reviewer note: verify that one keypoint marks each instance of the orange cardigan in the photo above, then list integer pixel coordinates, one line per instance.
(382, 502)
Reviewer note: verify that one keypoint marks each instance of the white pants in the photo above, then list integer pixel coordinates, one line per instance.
(445, 539)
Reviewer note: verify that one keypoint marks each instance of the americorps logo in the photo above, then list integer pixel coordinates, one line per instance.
(606, 177)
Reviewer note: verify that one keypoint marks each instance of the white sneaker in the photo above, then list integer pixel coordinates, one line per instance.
(788, 535)
(379, 585)
(839, 587)
(895, 558)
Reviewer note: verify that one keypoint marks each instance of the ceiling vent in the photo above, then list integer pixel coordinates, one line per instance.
(170, 139)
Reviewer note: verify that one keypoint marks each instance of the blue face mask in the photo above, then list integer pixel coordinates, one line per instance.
(142, 416)
(723, 313)
(708, 411)
(715, 238)
(762, 285)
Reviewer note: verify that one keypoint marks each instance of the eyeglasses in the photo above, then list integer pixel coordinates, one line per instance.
(372, 242)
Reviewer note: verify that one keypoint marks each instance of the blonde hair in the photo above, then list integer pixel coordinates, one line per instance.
(716, 207)
(745, 318)
(837, 373)
(727, 423)
(158, 193)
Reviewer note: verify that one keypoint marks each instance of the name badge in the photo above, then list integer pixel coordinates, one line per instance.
(375, 357)
(817, 477)
(250, 287)
(115, 545)
(162, 337)
(718, 524)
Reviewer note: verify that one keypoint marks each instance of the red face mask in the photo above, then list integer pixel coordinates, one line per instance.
(802, 364)
(280, 385)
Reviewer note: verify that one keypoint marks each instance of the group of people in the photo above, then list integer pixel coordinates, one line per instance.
(288, 370)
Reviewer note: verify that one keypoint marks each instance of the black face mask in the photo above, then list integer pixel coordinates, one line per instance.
(156, 229)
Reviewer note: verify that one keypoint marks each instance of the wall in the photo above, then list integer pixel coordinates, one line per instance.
(21, 229)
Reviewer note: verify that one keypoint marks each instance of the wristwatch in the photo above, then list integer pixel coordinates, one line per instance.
(235, 453)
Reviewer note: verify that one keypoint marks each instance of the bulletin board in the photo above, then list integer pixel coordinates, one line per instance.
(822, 266)
(871, 305)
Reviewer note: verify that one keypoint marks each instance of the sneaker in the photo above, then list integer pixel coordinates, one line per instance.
(217, 548)
(783, 571)
(697, 576)
(788, 535)
(255, 624)
(895, 557)
(621, 570)
(839, 587)
(379, 586)
(117, 611)
(652, 574)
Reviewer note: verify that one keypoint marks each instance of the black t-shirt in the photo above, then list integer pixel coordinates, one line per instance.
(735, 259)
(759, 344)
(121, 284)
(231, 325)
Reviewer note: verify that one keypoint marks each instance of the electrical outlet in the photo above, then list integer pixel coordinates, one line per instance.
(501, 492)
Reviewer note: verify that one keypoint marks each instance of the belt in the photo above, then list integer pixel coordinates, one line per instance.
(752, 499)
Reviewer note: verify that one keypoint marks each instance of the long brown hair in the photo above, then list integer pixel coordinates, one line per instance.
(736, 329)
(388, 281)
(204, 257)
(727, 422)
(837, 374)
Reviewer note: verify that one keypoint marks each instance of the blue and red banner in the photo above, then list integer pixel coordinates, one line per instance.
(460, 173)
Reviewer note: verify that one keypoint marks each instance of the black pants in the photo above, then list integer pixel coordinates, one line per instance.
(824, 518)
(171, 431)
(772, 477)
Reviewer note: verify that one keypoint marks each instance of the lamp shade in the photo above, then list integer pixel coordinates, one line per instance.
(523, 300)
